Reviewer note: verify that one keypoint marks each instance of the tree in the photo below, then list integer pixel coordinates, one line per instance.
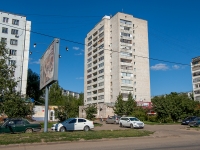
(130, 105)
(174, 107)
(55, 94)
(119, 108)
(90, 111)
(33, 87)
(11, 103)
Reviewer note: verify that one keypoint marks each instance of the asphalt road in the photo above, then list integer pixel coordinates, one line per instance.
(166, 137)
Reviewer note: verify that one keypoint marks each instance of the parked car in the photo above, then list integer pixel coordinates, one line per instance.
(74, 124)
(187, 120)
(53, 127)
(113, 119)
(131, 122)
(195, 123)
(14, 125)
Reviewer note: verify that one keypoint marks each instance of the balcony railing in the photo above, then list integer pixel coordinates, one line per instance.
(195, 68)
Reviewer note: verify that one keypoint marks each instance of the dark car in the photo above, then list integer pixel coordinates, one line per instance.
(187, 120)
(19, 125)
(195, 123)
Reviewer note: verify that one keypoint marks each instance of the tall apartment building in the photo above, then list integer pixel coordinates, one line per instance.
(196, 77)
(15, 31)
(116, 60)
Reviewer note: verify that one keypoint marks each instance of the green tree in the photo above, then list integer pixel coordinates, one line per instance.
(119, 107)
(33, 87)
(130, 105)
(55, 94)
(90, 111)
(11, 103)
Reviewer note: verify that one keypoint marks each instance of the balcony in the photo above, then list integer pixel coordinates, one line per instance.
(196, 68)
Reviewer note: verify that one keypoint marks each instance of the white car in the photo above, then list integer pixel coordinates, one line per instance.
(74, 124)
(131, 122)
(53, 127)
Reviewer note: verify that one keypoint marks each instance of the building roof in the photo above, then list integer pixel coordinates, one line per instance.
(12, 13)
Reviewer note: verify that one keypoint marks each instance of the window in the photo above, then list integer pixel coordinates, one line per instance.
(89, 65)
(90, 59)
(89, 87)
(11, 62)
(135, 83)
(15, 22)
(89, 76)
(126, 54)
(126, 74)
(100, 29)
(101, 65)
(126, 88)
(101, 83)
(88, 93)
(101, 46)
(90, 48)
(126, 81)
(4, 30)
(127, 28)
(89, 38)
(13, 52)
(72, 121)
(13, 42)
(125, 34)
(101, 40)
(19, 122)
(89, 70)
(126, 41)
(100, 97)
(13, 31)
(101, 34)
(90, 81)
(5, 19)
(90, 43)
(101, 71)
(125, 22)
(89, 54)
(101, 77)
(81, 120)
(101, 58)
(134, 76)
(101, 52)
(4, 40)
(100, 90)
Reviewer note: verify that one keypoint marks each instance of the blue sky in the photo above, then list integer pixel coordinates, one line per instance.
(174, 34)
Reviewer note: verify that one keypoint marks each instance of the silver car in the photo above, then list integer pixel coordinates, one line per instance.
(113, 119)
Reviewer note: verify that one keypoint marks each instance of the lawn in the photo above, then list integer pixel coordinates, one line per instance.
(38, 137)
(158, 123)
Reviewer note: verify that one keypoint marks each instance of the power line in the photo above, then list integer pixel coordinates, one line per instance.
(104, 49)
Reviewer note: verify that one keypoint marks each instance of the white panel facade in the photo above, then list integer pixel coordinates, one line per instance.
(116, 60)
(15, 30)
(196, 77)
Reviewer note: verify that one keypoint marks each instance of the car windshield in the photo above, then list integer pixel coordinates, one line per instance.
(68, 120)
(196, 119)
(134, 119)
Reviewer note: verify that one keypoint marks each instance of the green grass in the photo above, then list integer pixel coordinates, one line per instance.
(158, 123)
(38, 137)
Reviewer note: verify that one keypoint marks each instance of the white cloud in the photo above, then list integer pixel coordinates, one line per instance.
(160, 67)
(80, 78)
(76, 48)
(79, 54)
(35, 62)
(175, 66)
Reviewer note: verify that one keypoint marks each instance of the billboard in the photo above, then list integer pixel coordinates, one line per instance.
(49, 64)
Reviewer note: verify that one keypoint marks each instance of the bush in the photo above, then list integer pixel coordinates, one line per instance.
(152, 118)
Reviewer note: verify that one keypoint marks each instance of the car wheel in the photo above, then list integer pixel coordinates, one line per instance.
(120, 125)
(62, 129)
(131, 126)
(86, 128)
(28, 131)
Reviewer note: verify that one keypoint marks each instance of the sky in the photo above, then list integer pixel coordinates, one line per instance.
(173, 32)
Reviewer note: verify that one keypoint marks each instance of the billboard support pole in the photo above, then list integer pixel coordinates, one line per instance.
(46, 108)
